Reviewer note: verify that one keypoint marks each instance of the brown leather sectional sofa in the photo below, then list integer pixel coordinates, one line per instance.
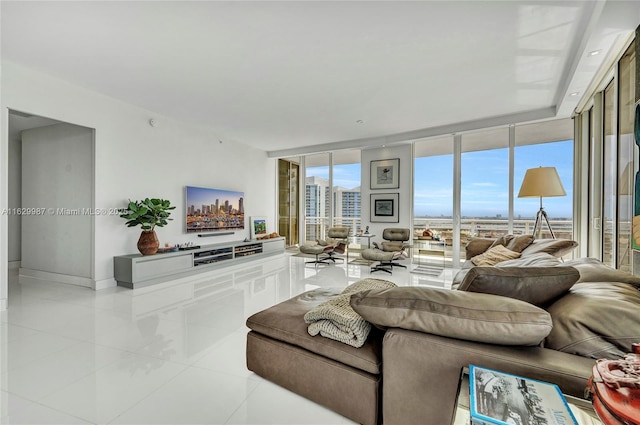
(408, 370)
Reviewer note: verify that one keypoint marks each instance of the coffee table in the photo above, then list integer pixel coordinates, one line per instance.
(581, 409)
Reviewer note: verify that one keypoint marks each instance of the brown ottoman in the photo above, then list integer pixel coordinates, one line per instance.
(345, 379)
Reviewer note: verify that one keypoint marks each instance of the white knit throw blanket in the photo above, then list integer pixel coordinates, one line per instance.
(335, 319)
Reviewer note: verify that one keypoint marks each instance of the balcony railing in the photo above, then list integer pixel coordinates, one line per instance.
(316, 228)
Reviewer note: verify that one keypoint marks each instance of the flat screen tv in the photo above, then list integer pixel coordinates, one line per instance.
(213, 209)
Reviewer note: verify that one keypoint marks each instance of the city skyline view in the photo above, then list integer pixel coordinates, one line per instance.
(484, 185)
(198, 196)
(213, 209)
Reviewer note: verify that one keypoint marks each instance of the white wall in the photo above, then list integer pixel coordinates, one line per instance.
(134, 160)
(403, 152)
(57, 181)
(15, 199)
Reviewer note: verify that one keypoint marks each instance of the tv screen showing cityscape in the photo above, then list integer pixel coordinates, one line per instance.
(213, 209)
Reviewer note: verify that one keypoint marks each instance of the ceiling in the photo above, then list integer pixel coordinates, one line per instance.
(304, 76)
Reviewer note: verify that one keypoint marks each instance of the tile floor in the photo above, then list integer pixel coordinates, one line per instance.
(172, 353)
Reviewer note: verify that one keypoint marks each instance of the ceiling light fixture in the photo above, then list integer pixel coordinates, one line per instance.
(575, 93)
(594, 52)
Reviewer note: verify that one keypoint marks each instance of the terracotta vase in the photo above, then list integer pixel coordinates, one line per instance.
(148, 243)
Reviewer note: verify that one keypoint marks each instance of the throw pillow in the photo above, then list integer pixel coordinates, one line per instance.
(535, 285)
(555, 247)
(514, 243)
(455, 314)
(477, 246)
(494, 255)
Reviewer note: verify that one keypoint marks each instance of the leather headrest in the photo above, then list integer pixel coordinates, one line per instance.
(396, 234)
(338, 232)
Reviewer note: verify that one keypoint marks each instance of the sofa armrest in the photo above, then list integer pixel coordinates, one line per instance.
(477, 246)
(421, 372)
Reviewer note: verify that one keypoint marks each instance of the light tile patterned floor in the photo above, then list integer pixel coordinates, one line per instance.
(167, 354)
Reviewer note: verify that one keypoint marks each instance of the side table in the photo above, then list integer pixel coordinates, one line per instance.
(365, 236)
(581, 409)
(432, 249)
(356, 238)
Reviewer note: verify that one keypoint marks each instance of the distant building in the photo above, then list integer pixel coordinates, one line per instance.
(346, 206)
(317, 197)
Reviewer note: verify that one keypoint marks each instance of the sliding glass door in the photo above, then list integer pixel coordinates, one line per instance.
(626, 146)
(609, 177)
(288, 193)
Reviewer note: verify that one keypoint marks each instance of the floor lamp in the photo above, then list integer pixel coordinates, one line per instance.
(541, 182)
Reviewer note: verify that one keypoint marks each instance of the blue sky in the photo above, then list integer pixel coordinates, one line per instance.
(199, 196)
(485, 191)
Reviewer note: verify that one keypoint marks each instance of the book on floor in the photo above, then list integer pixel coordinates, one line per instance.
(505, 399)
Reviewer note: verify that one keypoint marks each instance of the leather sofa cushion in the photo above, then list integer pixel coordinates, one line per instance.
(494, 255)
(555, 247)
(541, 259)
(596, 319)
(285, 322)
(535, 285)
(455, 314)
(592, 270)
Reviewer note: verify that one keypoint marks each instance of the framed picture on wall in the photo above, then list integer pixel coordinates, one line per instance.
(385, 174)
(384, 207)
(258, 226)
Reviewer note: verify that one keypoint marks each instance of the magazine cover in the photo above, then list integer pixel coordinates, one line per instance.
(501, 398)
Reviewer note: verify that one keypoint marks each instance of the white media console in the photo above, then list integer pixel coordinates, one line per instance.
(136, 270)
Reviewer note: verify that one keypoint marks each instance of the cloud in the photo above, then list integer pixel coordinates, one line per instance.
(484, 184)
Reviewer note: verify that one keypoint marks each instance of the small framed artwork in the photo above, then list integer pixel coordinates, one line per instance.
(258, 226)
(384, 207)
(384, 174)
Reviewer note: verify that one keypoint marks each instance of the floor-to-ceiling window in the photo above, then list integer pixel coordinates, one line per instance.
(317, 199)
(609, 115)
(609, 176)
(346, 189)
(546, 144)
(485, 176)
(626, 145)
(332, 192)
(433, 194)
(484, 196)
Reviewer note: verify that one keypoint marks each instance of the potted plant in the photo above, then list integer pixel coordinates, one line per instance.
(147, 214)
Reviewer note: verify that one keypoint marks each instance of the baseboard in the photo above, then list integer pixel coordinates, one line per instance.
(104, 284)
(57, 277)
(13, 265)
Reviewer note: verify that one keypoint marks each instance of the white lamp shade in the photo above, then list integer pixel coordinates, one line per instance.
(541, 182)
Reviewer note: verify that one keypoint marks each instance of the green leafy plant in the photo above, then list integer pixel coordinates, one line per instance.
(147, 214)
